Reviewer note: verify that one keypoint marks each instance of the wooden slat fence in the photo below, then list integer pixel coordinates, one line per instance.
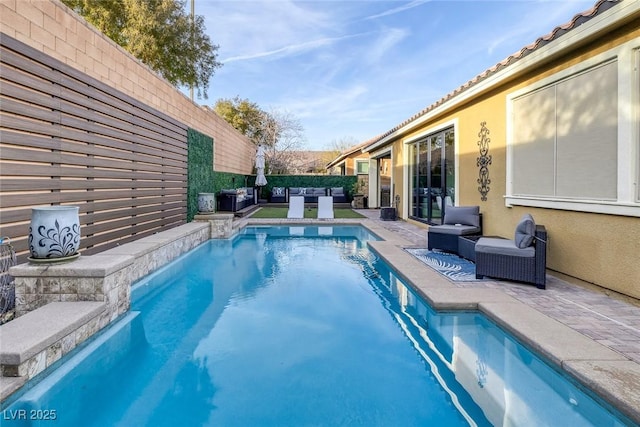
(69, 139)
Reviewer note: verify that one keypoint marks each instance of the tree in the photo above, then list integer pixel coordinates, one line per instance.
(245, 116)
(158, 32)
(279, 131)
(337, 147)
(283, 135)
(342, 144)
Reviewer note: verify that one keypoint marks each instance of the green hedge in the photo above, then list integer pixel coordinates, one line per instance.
(200, 176)
(231, 180)
(326, 181)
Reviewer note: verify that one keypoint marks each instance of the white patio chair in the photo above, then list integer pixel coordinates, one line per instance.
(296, 207)
(325, 207)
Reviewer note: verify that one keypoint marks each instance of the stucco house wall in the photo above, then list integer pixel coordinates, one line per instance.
(602, 249)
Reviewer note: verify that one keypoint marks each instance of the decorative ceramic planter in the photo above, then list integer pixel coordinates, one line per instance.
(206, 202)
(54, 233)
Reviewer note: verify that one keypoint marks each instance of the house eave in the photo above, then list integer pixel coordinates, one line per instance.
(617, 15)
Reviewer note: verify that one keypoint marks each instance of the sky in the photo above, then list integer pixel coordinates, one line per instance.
(350, 70)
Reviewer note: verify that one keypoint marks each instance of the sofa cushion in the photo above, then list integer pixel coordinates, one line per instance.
(337, 191)
(318, 191)
(465, 215)
(228, 191)
(460, 230)
(277, 191)
(525, 231)
(493, 245)
(295, 191)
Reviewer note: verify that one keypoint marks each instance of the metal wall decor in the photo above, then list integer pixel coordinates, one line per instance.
(483, 162)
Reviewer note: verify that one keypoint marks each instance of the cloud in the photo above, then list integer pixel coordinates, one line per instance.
(545, 18)
(243, 27)
(333, 102)
(399, 9)
(292, 49)
(356, 68)
(389, 38)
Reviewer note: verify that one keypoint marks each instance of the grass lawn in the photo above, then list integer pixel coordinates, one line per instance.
(273, 212)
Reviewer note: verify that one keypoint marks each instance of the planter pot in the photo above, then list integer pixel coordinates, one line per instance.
(206, 202)
(358, 201)
(54, 233)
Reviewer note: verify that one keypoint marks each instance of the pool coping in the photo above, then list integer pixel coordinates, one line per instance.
(609, 374)
(64, 304)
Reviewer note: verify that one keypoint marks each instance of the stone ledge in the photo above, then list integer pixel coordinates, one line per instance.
(28, 335)
(212, 216)
(149, 244)
(99, 265)
(8, 385)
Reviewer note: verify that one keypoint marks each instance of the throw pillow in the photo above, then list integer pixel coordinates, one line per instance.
(303, 191)
(278, 191)
(465, 215)
(525, 231)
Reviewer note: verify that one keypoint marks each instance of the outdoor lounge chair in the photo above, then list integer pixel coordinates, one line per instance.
(458, 221)
(523, 259)
(325, 207)
(296, 207)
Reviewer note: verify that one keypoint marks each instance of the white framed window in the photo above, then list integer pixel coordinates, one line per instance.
(570, 136)
(362, 167)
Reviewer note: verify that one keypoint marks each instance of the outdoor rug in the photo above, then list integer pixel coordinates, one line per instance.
(450, 265)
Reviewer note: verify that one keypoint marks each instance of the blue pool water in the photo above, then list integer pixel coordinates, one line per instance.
(292, 326)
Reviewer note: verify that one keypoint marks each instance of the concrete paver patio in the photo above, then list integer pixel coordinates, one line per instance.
(612, 322)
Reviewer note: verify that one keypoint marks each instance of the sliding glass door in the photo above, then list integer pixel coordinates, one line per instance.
(432, 176)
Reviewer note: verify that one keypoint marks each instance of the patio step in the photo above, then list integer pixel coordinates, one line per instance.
(246, 211)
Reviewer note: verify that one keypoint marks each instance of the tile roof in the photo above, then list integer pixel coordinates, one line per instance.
(347, 152)
(557, 32)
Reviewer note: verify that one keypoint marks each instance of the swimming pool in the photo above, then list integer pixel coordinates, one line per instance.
(299, 326)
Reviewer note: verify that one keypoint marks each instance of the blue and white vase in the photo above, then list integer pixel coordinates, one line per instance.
(206, 202)
(54, 232)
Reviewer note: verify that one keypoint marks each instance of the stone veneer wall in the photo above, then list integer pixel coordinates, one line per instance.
(101, 284)
(106, 276)
(35, 342)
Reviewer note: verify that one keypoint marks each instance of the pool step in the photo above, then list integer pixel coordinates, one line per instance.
(36, 340)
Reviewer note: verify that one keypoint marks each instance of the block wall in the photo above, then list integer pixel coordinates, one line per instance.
(54, 29)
